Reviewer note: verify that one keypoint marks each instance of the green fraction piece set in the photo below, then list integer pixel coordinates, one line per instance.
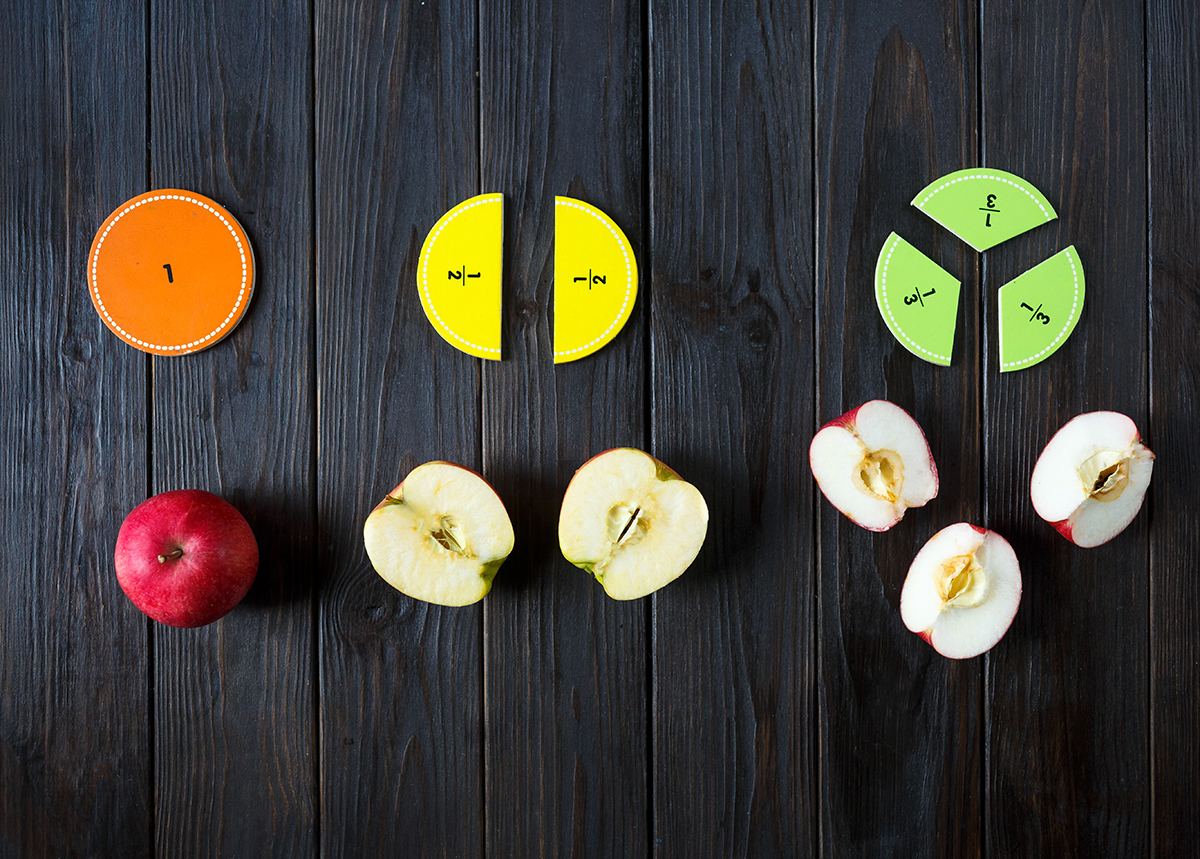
(918, 299)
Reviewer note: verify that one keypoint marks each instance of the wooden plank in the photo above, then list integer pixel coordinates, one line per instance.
(1173, 43)
(234, 716)
(734, 768)
(74, 718)
(561, 113)
(900, 724)
(401, 680)
(1067, 689)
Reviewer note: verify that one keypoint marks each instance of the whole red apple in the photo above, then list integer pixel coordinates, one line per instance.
(186, 557)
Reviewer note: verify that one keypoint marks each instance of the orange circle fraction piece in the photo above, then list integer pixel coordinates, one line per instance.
(170, 272)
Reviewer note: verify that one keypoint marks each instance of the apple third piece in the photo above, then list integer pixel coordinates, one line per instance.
(873, 463)
(1091, 479)
(962, 591)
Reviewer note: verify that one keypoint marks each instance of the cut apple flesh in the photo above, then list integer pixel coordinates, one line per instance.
(440, 536)
(962, 591)
(631, 522)
(873, 463)
(1091, 479)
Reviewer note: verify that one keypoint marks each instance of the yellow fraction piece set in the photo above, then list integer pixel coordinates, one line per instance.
(460, 277)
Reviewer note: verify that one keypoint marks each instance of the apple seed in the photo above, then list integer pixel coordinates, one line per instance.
(625, 524)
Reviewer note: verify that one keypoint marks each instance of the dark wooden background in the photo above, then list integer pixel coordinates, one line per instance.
(768, 704)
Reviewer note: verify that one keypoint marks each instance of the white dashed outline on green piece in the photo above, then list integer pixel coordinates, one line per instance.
(987, 175)
(1071, 255)
(892, 323)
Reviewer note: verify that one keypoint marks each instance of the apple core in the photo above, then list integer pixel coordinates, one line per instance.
(626, 524)
(963, 582)
(881, 474)
(449, 535)
(1105, 474)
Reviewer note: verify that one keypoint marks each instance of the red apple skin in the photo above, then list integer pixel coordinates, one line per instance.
(217, 564)
(845, 420)
(1063, 526)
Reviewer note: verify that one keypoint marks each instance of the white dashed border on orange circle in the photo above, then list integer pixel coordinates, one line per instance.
(242, 251)
(483, 200)
(603, 219)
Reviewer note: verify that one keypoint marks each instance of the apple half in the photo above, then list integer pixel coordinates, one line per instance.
(1091, 479)
(873, 463)
(440, 536)
(631, 522)
(962, 591)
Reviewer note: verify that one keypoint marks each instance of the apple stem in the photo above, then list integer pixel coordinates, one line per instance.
(174, 556)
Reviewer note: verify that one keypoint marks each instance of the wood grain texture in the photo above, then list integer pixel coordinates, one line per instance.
(566, 709)
(731, 187)
(234, 701)
(900, 724)
(1067, 689)
(770, 703)
(74, 719)
(1173, 116)
(401, 680)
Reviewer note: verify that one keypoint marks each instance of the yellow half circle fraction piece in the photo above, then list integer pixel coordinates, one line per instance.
(595, 279)
(459, 275)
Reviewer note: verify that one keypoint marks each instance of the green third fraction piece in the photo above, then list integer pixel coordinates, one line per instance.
(1039, 309)
(918, 300)
(984, 207)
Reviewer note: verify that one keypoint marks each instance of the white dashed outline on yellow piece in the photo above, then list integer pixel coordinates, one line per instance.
(467, 205)
(599, 216)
